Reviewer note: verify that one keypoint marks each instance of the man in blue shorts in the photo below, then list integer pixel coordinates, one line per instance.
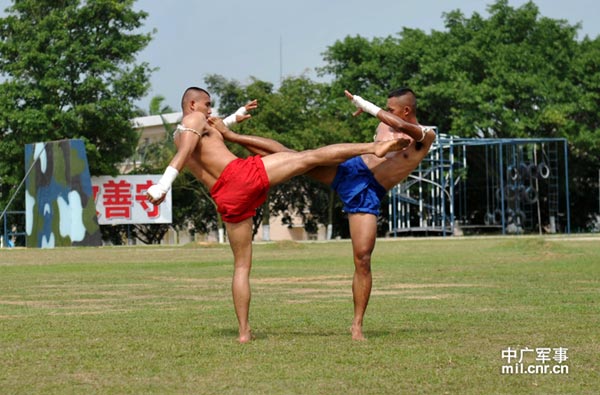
(362, 181)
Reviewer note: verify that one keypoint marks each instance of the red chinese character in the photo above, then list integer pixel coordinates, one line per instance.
(117, 199)
(140, 196)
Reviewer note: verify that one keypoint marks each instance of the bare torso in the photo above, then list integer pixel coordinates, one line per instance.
(210, 155)
(396, 166)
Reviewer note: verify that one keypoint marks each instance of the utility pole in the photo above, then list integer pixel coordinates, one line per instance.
(280, 60)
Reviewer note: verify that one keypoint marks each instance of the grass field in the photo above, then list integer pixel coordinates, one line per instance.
(159, 320)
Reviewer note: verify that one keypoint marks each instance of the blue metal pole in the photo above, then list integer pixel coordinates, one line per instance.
(502, 187)
(4, 236)
(567, 187)
(452, 197)
(442, 194)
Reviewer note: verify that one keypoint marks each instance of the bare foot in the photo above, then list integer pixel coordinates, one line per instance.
(245, 337)
(218, 124)
(357, 333)
(383, 147)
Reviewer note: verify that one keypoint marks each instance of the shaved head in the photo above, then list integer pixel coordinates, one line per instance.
(403, 103)
(192, 93)
(406, 96)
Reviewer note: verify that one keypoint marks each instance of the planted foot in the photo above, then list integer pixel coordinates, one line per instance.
(357, 333)
(245, 337)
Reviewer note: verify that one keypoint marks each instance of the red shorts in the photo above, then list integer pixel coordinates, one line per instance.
(241, 188)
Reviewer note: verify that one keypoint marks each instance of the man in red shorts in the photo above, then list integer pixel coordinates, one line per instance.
(239, 186)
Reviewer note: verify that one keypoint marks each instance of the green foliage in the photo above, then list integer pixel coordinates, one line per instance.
(194, 208)
(157, 107)
(70, 72)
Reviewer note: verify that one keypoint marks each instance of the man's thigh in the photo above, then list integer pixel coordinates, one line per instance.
(363, 231)
(282, 166)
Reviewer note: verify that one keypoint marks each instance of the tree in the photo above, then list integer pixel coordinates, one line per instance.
(157, 108)
(70, 72)
(516, 74)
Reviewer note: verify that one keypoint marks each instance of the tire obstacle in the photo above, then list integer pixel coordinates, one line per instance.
(485, 185)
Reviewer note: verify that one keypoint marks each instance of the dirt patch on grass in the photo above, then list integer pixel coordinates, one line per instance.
(320, 291)
(428, 297)
(331, 281)
(319, 287)
(430, 285)
(194, 281)
(28, 303)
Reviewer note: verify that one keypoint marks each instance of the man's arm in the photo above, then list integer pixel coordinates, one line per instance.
(255, 144)
(417, 132)
(186, 145)
(241, 114)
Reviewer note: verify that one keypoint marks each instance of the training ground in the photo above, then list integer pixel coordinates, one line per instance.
(445, 317)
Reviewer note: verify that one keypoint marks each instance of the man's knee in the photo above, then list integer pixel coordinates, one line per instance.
(242, 265)
(311, 157)
(362, 262)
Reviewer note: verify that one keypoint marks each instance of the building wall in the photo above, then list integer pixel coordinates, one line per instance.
(295, 232)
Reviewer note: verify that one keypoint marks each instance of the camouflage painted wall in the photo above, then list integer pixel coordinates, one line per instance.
(59, 204)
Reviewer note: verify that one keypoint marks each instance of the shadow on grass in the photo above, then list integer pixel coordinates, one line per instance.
(401, 332)
(320, 333)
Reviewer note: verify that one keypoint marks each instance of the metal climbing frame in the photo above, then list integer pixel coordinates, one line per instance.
(508, 186)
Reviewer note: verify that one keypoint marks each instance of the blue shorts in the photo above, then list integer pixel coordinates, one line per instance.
(357, 187)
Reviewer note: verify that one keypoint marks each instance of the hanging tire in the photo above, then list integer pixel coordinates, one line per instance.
(520, 191)
(510, 192)
(498, 216)
(530, 195)
(523, 170)
(513, 172)
(543, 170)
(489, 219)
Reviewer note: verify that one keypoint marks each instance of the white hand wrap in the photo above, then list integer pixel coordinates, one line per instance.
(159, 190)
(232, 119)
(365, 105)
(424, 131)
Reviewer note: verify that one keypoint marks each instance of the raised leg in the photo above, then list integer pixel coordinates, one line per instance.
(256, 144)
(282, 166)
(325, 173)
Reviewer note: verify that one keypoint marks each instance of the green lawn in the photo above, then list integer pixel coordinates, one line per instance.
(159, 320)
